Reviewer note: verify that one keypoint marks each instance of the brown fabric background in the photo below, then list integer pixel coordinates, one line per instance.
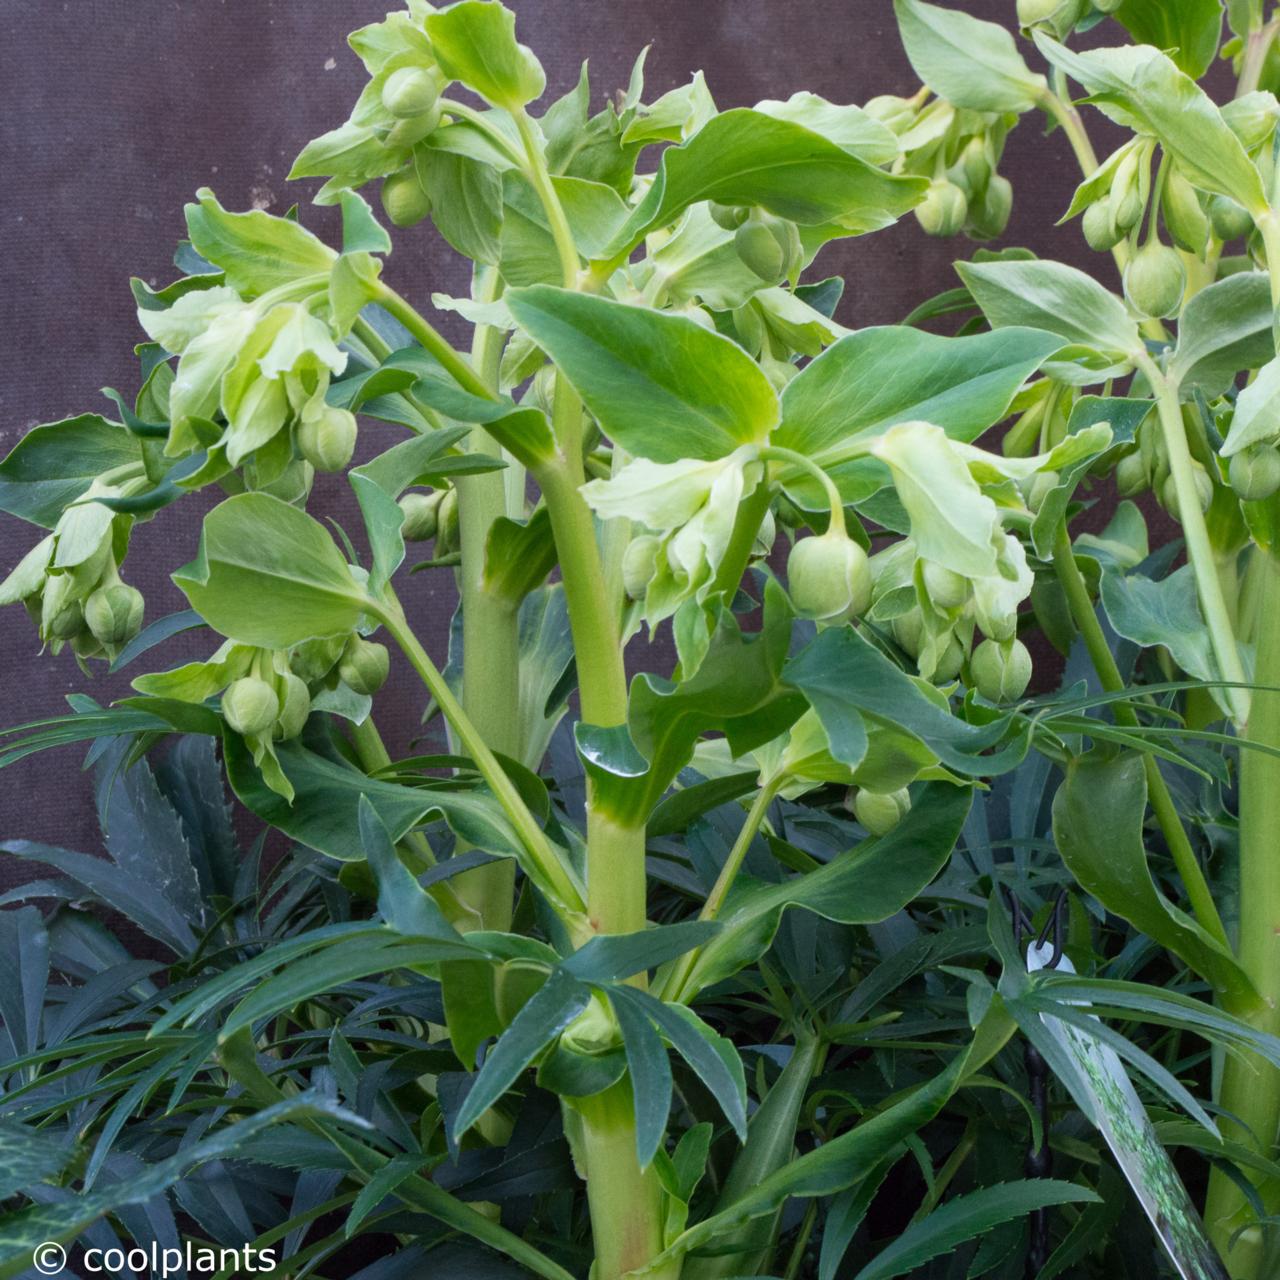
(115, 111)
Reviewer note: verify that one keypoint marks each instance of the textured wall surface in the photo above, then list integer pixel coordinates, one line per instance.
(115, 111)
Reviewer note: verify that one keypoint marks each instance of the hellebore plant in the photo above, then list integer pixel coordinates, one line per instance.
(658, 422)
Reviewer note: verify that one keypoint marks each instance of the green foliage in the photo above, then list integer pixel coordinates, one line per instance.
(723, 965)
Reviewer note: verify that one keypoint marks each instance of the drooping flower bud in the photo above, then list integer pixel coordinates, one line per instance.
(943, 210)
(1001, 669)
(828, 577)
(881, 811)
(295, 706)
(1100, 230)
(1255, 472)
(950, 660)
(638, 565)
(945, 588)
(409, 92)
(364, 665)
(1184, 216)
(328, 440)
(420, 513)
(1132, 477)
(250, 706)
(1043, 483)
(1155, 280)
(975, 160)
(989, 217)
(1203, 487)
(66, 623)
(768, 245)
(1230, 220)
(114, 613)
(403, 199)
(407, 133)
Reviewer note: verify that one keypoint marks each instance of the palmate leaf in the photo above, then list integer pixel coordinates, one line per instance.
(64, 1220)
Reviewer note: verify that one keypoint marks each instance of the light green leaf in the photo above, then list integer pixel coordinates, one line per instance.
(660, 385)
(256, 250)
(1057, 298)
(1164, 613)
(849, 127)
(268, 574)
(466, 200)
(1223, 329)
(1098, 816)
(361, 231)
(968, 62)
(1189, 29)
(746, 157)
(475, 42)
(54, 464)
(879, 377)
(1257, 415)
(1143, 90)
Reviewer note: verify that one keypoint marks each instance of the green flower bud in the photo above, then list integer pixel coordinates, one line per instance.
(409, 92)
(728, 216)
(1155, 280)
(114, 613)
(1001, 670)
(761, 251)
(943, 210)
(1230, 221)
(250, 706)
(295, 706)
(1100, 230)
(950, 660)
(1203, 487)
(364, 665)
(908, 632)
(945, 588)
(975, 160)
(421, 512)
(1132, 477)
(312, 660)
(403, 199)
(828, 577)
(67, 623)
(881, 811)
(447, 523)
(638, 565)
(407, 133)
(1255, 472)
(328, 440)
(1184, 216)
(989, 218)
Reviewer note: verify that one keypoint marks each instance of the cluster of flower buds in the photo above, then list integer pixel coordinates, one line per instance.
(959, 150)
(410, 95)
(362, 665)
(70, 581)
(1146, 466)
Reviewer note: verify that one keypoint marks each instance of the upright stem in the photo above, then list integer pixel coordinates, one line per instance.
(1077, 593)
(1196, 533)
(490, 629)
(1251, 1089)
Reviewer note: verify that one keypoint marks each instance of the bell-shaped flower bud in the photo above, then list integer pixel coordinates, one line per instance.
(639, 563)
(410, 91)
(403, 199)
(881, 811)
(250, 706)
(1155, 280)
(945, 588)
(1099, 225)
(1229, 220)
(1203, 488)
(114, 613)
(943, 210)
(364, 665)
(295, 706)
(1255, 472)
(1184, 216)
(421, 512)
(1001, 669)
(1132, 476)
(328, 439)
(828, 577)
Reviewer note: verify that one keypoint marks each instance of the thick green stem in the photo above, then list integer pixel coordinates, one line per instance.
(751, 513)
(1077, 593)
(555, 879)
(1251, 1089)
(434, 343)
(625, 1200)
(1196, 533)
(536, 171)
